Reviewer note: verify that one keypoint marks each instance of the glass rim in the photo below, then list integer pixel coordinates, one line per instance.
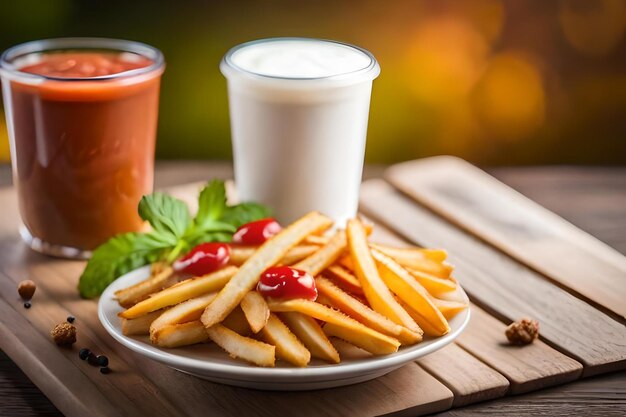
(7, 58)
(228, 67)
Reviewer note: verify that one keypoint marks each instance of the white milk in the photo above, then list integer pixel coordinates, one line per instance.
(299, 110)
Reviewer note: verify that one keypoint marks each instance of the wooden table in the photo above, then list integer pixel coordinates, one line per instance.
(592, 198)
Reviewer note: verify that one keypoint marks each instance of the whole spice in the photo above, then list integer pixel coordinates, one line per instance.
(84, 353)
(522, 332)
(103, 361)
(26, 304)
(70, 319)
(92, 359)
(26, 289)
(64, 334)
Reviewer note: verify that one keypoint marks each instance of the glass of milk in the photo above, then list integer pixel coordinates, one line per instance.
(298, 110)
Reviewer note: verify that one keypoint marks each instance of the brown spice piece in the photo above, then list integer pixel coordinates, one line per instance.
(522, 332)
(26, 289)
(64, 334)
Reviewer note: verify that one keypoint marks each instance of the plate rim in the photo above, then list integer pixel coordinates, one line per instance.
(239, 369)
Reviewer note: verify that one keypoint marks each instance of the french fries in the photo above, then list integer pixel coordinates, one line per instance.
(140, 325)
(288, 347)
(375, 290)
(181, 292)
(449, 308)
(375, 297)
(433, 284)
(189, 310)
(369, 338)
(237, 346)
(345, 280)
(177, 335)
(356, 338)
(240, 254)
(410, 291)
(140, 291)
(354, 308)
(256, 310)
(311, 334)
(429, 261)
(268, 254)
(325, 256)
(237, 322)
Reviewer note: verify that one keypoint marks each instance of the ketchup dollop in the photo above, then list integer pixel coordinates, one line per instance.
(257, 232)
(285, 282)
(203, 259)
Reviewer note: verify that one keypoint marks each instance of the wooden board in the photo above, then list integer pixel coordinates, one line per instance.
(139, 386)
(604, 396)
(527, 368)
(516, 225)
(504, 286)
(469, 379)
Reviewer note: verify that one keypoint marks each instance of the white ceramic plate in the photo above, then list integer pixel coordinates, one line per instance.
(208, 361)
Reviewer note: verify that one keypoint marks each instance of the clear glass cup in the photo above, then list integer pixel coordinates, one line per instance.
(299, 135)
(82, 147)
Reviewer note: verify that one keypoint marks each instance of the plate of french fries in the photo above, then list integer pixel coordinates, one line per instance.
(376, 309)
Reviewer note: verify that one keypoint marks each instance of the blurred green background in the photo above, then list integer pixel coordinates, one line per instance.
(495, 82)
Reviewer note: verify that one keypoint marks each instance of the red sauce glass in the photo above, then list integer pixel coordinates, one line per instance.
(82, 118)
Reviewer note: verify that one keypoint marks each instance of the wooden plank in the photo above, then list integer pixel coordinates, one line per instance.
(126, 388)
(48, 368)
(503, 285)
(528, 368)
(599, 396)
(516, 225)
(139, 386)
(469, 379)
(592, 198)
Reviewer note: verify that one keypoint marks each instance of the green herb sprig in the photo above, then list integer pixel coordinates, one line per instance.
(174, 232)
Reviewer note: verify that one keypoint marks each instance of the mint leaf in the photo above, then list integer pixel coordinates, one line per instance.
(211, 202)
(173, 234)
(121, 254)
(167, 215)
(244, 213)
(210, 237)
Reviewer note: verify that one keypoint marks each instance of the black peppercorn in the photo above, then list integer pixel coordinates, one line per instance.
(92, 359)
(103, 361)
(84, 353)
(70, 319)
(26, 304)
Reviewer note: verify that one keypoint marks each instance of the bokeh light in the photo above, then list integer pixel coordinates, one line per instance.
(593, 27)
(444, 59)
(509, 99)
(496, 82)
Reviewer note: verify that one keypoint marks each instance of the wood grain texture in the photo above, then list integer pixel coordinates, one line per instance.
(506, 287)
(592, 198)
(139, 386)
(599, 396)
(560, 189)
(469, 379)
(528, 368)
(516, 225)
(18, 395)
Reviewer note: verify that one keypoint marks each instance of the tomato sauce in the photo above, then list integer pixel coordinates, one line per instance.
(83, 147)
